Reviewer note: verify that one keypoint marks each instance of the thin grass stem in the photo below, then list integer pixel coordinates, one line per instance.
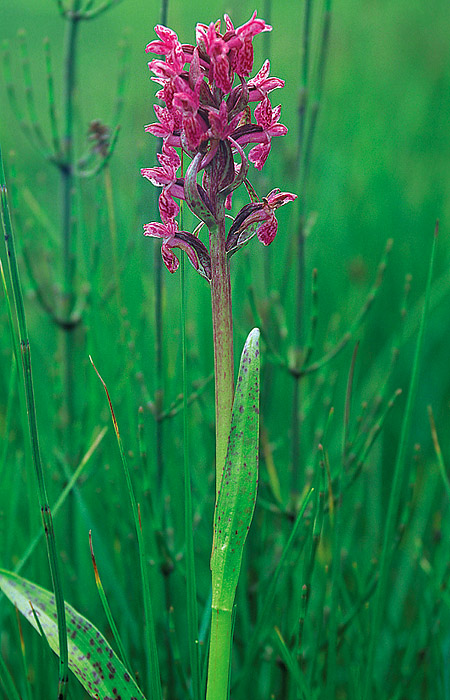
(67, 221)
(56, 140)
(192, 609)
(395, 493)
(29, 95)
(269, 597)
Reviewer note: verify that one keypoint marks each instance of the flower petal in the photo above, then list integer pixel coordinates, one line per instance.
(268, 230)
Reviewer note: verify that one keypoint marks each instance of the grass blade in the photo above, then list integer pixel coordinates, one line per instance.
(155, 677)
(107, 609)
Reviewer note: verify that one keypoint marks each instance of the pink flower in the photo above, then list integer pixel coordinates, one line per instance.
(252, 214)
(170, 47)
(168, 233)
(261, 84)
(166, 123)
(267, 118)
(221, 128)
(242, 58)
(216, 48)
(166, 177)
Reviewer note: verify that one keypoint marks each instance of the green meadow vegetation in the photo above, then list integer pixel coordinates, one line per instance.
(107, 498)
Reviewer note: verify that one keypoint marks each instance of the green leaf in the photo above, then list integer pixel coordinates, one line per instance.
(237, 493)
(91, 658)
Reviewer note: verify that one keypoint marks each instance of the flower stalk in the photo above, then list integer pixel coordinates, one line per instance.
(223, 342)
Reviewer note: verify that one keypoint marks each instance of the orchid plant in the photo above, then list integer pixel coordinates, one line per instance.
(207, 97)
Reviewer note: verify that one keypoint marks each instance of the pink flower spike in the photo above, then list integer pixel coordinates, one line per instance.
(194, 131)
(267, 231)
(157, 176)
(170, 47)
(158, 230)
(276, 199)
(169, 157)
(243, 62)
(166, 125)
(221, 73)
(166, 174)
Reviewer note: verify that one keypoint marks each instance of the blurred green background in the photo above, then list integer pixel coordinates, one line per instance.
(379, 170)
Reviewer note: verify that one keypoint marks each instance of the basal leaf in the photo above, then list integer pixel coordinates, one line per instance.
(91, 658)
(237, 494)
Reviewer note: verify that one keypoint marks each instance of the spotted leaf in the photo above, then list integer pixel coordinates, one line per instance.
(91, 658)
(238, 486)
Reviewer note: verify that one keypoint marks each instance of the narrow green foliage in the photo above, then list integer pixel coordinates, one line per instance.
(62, 499)
(91, 658)
(107, 609)
(291, 663)
(398, 479)
(7, 682)
(360, 316)
(56, 141)
(437, 449)
(47, 520)
(263, 619)
(29, 94)
(152, 651)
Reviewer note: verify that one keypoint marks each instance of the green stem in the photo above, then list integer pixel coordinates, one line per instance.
(223, 342)
(221, 622)
(47, 520)
(219, 654)
(67, 227)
